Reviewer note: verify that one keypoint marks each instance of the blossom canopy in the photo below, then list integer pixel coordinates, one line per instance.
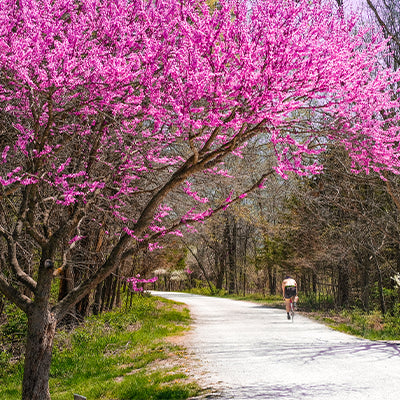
(98, 95)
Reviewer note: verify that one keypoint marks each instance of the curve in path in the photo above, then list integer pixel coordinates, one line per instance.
(250, 351)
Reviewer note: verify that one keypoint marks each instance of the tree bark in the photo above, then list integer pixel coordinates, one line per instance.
(97, 299)
(82, 307)
(365, 285)
(314, 282)
(343, 289)
(39, 346)
(118, 299)
(232, 259)
(105, 293)
(113, 294)
(220, 263)
(66, 282)
(272, 280)
(230, 240)
(380, 288)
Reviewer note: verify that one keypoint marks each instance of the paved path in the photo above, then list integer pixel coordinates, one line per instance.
(250, 351)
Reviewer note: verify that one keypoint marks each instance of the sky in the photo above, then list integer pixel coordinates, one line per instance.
(355, 5)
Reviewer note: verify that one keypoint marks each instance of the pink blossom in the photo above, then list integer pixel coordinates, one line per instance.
(29, 180)
(162, 213)
(176, 233)
(154, 246)
(216, 171)
(197, 216)
(76, 238)
(62, 166)
(134, 281)
(195, 195)
(229, 198)
(4, 153)
(156, 228)
(191, 228)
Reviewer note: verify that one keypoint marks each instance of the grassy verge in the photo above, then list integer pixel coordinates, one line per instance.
(121, 355)
(372, 325)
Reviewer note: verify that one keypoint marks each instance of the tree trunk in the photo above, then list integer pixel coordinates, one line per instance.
(97, 299)
(66, 282)
(39, 346)
(201, 266)
(111, 297)
(272, 280)
(314, 282)
(380, 288)
(118, 299)
(220, 263)
(82, 306)
(365, 278)
(105, 293)
(39, 342)
(244, 269)
(231, 242)
(2, 303)
(220, 267)
(343, 288)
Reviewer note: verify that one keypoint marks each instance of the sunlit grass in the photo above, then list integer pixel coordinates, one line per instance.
(368, 325)
(118, 355)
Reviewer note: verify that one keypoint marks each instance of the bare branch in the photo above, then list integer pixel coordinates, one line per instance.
(382, 23)
(14, 295)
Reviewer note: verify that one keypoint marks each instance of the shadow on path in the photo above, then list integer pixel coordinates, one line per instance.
(295, 391)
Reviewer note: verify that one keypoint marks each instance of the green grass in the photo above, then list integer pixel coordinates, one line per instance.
(369, 325)
(121, 355)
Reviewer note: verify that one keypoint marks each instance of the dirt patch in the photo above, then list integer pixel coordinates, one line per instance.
(133, 327)
(160, 304)
(178, 340)
(112, 349)
(328, 318)
(178, 307)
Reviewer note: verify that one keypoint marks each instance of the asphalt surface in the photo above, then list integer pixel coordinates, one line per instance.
(249, 351)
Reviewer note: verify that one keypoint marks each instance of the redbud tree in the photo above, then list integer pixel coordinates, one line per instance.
(110, 109)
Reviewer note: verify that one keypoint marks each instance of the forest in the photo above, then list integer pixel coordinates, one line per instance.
(197, 146)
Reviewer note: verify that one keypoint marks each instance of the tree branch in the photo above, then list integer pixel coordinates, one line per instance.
(382, 23)
(62, 307)
(14, 295)
(19, 273)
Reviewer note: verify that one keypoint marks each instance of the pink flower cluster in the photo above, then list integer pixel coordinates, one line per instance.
(187, 190)
(136, 280)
